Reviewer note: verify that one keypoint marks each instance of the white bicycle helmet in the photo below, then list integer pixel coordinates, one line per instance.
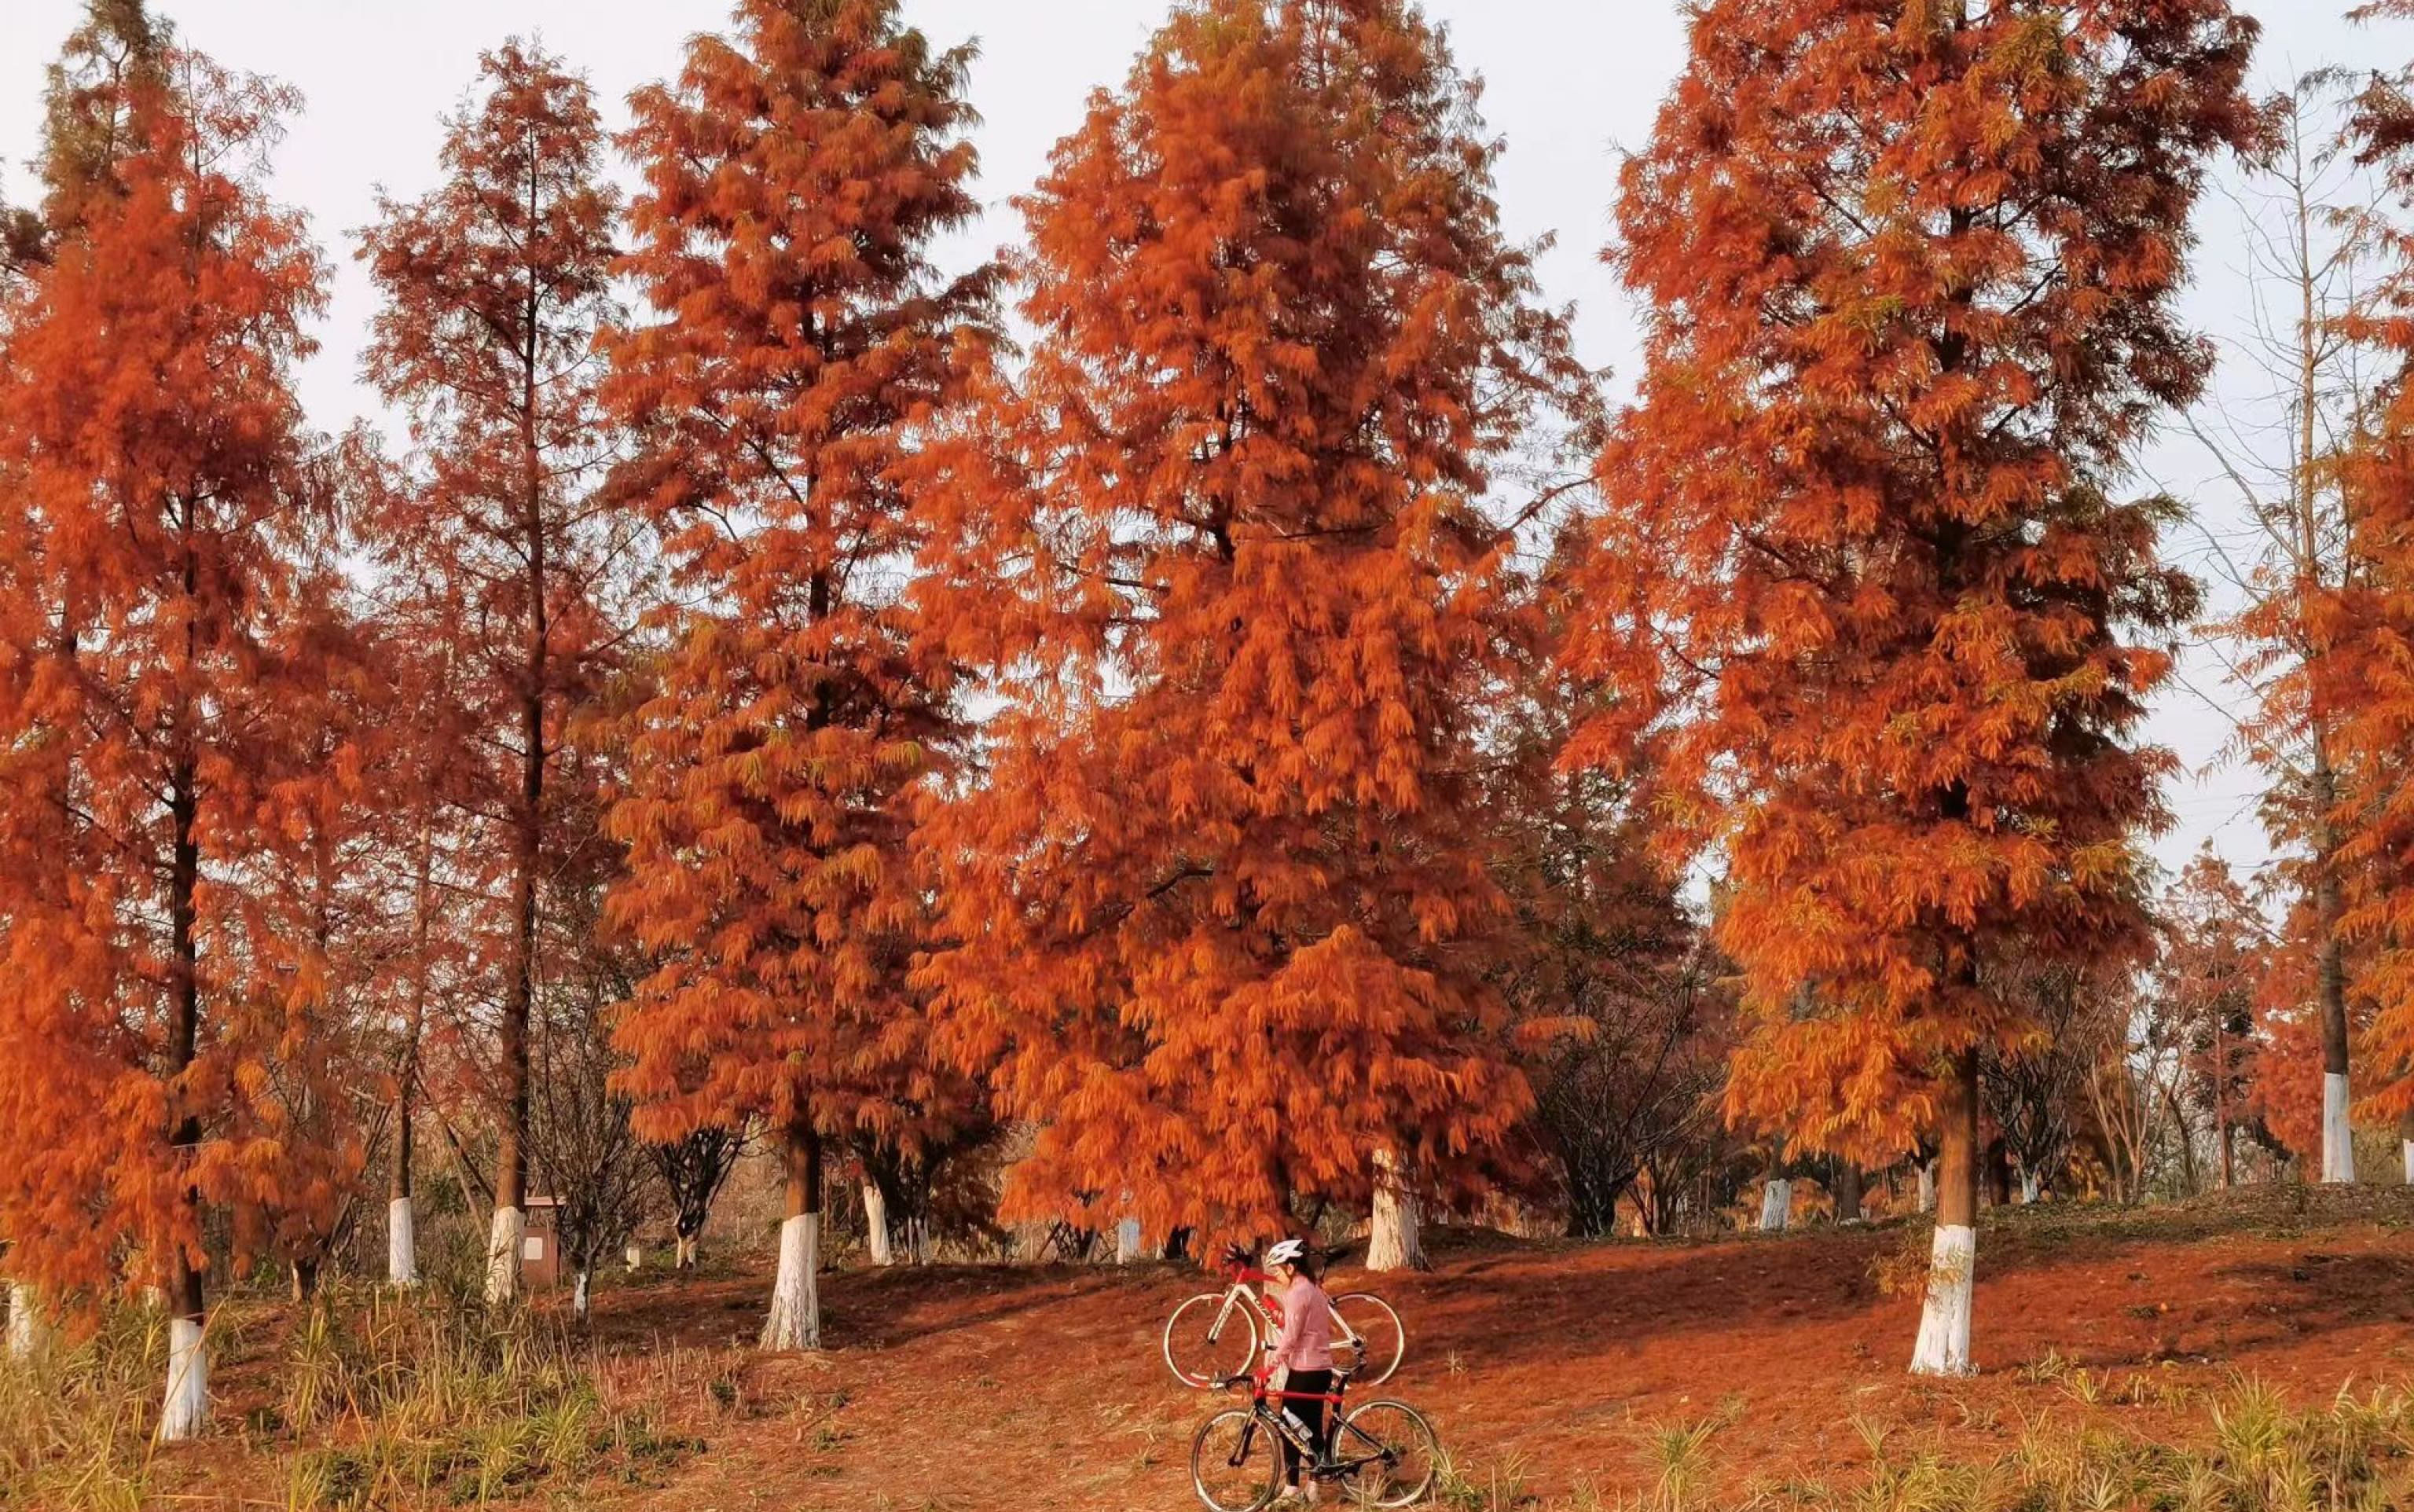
(1285, 1252)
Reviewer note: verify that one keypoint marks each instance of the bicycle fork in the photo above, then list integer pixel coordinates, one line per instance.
(1223, 1314)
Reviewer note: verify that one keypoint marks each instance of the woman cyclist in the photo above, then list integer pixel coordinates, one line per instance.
(1301, 1359)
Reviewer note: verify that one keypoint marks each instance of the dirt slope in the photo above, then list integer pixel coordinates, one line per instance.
(1544, 1366)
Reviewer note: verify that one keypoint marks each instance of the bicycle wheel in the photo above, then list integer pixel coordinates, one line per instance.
(1389, 1454)
(1370, 1340)
(1206, 1341)
(1235, 1461)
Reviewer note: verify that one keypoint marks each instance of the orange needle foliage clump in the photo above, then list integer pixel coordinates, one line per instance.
(794, 179)
(154, 596)
(1867, 588)
(1221, 910)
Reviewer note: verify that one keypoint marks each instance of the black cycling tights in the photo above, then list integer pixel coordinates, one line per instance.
(1309, 1413)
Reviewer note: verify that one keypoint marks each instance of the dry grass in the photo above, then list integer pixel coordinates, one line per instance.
(372, 1400)
(2248, 1450)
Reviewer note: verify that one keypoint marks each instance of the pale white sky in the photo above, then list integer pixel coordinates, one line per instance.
(1567, 82)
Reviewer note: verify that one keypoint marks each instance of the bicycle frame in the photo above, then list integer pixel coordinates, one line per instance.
(1240, 1293)
(1333, 1464)
(1245, 1290)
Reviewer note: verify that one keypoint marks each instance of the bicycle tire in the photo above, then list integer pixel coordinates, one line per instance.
(1199, 1360)
(1235, 1461)
(1382, 1339)
(1408, 1454)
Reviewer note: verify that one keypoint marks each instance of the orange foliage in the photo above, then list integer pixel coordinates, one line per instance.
(1865, 587)
(495, 284)
(2364, 632)
(794, 179)
(157, 641)
(1222, 908)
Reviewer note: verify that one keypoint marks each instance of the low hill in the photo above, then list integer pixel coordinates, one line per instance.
(2239, 1352)
(1557, 1371)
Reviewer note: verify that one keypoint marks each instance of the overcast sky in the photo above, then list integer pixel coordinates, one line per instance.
(1569, 81)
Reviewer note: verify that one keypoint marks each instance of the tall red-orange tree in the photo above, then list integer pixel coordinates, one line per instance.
(2311, 253)
(496, 284)
(2361, 668)
(426, 959)
(1222, 905)
(311, 903)
(794, 179)
(1866, 577)
(2215, 956)
(151, 420)
(85, 111)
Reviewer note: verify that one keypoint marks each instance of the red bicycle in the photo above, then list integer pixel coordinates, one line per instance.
(1215, 1336)
(1382, 1454)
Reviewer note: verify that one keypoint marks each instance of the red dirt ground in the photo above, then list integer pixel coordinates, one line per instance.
(968, 1389)
(1544, 1366)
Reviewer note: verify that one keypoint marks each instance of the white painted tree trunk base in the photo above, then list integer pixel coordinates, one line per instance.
(686, 1252)
(1127, 1241)
(503, 1240)
(1927, 1188)
(795, 1317)
(2028, 1187)
(1943, 1347)
(29, 1332)
(578, 1294)
(2406, 1149)
(875, 1224)
(186, 1408)
(1776, 1205)
(2339, 1141)
(1393, 1241)
(401, 1243)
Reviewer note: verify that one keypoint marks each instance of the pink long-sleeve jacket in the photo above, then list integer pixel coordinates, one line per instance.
(1306, 1339)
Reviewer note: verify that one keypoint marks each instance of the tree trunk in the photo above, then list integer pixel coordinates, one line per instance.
(1943, 1344)
(401, 1222)
(685, 1257)
(184, 1410)
(29, 1332)
(1126, 1240)
(875, 1224)
(1928, 1185)
(2221, 1102)
(510, 1224)
(401, 1243)
(305, 1275)
(2405, 1142)
(1393, 1240)
(2030, 1187)
(795, 1318)
(2338, 1140)
(519, 997)
(1999, 1174)
(1848, 1192)
(578, 1294)
(1776, 1205)
(401, 1218)
(506, 1235)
